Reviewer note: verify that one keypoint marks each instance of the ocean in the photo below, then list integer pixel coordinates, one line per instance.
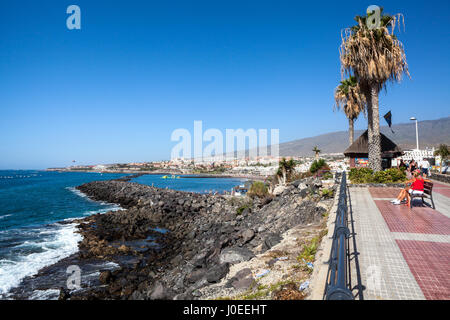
(34, 203)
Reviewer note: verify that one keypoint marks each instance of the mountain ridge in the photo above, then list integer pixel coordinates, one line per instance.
(431, 134)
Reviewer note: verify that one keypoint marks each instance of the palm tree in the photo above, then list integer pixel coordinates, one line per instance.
(443, 152)
(285, 170)
(348, 96)
(317, 151)
(374, 56)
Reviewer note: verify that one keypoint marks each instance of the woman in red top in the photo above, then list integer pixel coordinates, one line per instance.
(416, 187)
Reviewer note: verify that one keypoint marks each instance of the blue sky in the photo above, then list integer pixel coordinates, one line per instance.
(137, 70)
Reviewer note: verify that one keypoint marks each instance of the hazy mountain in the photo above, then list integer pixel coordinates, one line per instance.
(431, 133)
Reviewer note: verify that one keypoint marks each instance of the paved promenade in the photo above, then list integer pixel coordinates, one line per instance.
(403, 253)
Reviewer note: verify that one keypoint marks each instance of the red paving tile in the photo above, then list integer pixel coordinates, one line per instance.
(384, 192)
(429, 262)
(400, 218)
(441, 189)
(444, 192)
(440, 185)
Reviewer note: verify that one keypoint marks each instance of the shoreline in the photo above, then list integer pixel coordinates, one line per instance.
(75, 222)
(204, 231)
(182, 175)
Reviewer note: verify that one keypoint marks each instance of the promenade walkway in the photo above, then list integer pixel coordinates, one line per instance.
(403, 253)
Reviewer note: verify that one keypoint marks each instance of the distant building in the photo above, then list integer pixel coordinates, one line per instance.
(100, 167)
(417, 155)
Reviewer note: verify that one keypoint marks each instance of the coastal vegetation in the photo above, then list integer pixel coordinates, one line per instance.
(319, 165)
(367, 175)
(247, 205)
(444, 152)
(286, 171)
(327, 193)
(258, 189)
(375, 57)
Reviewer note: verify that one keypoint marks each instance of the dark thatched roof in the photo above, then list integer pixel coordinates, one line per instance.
(359, 148)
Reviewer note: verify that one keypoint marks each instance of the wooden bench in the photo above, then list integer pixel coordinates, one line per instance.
(427, 193)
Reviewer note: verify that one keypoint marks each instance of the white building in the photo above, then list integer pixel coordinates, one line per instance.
(417, 155)
(100, 167)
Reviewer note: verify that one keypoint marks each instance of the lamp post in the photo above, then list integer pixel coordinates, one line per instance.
(417, 132)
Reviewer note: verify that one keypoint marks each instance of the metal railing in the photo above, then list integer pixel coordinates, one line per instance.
(338, 285)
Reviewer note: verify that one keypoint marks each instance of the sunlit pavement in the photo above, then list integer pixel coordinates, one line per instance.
(403, 253)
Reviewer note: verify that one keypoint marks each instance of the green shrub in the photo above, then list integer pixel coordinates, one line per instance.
(258, 189)
(244, 206)
(327, 193)
(397, 174)
(318, 165)
(309, 250)
(327, 176)
(366, 175)
(360, 175)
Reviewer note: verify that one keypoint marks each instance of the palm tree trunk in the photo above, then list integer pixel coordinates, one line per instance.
(373, 128)
(351, 131)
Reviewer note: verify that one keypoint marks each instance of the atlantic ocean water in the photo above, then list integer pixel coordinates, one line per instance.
(37, 207)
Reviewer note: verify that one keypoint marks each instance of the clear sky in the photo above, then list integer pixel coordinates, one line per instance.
(137, 70)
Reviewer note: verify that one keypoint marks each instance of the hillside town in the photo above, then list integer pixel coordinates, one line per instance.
(260, 166)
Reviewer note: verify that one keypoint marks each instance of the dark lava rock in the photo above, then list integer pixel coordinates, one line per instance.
(218, 272)
(235, 255)
(105, 277)
(196, 275)
(64, 294)
(271, 240)
(243, 283)
(203, 236)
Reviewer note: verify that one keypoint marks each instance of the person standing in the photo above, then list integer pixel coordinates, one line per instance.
(402, 165)
(412, 166)
(425, 165)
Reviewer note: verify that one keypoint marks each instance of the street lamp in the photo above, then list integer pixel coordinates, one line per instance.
(417, 132)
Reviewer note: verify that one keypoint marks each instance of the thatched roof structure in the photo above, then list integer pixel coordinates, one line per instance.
(360, 149)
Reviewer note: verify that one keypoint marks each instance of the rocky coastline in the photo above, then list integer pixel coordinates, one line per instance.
(169, 244)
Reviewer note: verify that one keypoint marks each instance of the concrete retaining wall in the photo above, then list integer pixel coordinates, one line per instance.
(440, 177)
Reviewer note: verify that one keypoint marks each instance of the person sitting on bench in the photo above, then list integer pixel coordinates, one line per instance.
(416, 187)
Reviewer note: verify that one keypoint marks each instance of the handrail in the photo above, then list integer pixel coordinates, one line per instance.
(338, 286)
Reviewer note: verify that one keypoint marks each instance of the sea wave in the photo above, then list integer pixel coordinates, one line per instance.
(50, 294)
(43, 247)
(79, 193)
(111, 206)
(61, 243)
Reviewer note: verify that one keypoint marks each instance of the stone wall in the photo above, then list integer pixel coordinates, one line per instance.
(440, 177)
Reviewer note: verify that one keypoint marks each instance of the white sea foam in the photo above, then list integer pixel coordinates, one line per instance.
(62, 244)
(111, 206)
(6, 215)
(50, 294)
(79, 193)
